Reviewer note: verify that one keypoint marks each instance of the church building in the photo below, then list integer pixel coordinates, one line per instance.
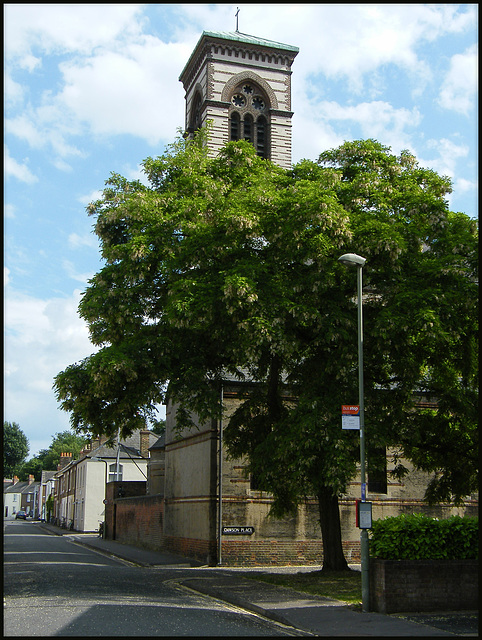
(241, 84)
(212, 509)
(200, 504)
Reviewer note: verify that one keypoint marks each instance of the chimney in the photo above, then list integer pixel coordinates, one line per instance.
(15, 479)
(31, 479)
(98, 442)
(65, 458)
(144, 443)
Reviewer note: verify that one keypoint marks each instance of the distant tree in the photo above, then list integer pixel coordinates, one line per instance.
(64, 442)
(159, 427)
(33, 467)
(48, 459)
(15, 448)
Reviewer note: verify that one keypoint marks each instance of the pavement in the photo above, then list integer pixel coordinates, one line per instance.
(305, 614)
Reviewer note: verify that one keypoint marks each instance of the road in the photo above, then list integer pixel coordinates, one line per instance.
(55, 587)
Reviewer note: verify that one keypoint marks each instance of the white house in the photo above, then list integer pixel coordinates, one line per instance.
(80, 484)
(19, 496)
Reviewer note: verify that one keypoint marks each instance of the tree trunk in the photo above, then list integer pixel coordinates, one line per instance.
(333, 557)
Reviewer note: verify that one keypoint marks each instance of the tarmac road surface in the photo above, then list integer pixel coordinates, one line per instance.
(55, 587)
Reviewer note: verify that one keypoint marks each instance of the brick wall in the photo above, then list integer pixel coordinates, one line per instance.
(280, 552)
(139, 521)
(202, 550)
(423, 585)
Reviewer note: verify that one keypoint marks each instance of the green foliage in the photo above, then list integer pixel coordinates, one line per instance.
(15, 448)
(419, 537)
(48, 459)
(159, 427)
(229, 265)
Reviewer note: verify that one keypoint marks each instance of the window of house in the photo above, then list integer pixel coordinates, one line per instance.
(248, 117)
(113, 472)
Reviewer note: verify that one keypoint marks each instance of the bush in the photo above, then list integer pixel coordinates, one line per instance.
(419, 537)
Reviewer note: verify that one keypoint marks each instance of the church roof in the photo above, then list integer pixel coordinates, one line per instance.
(237, 36)
(244, 37)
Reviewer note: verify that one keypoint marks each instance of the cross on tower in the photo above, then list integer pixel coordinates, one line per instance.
(236, 14)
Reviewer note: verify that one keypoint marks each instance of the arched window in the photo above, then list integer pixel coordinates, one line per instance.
(249, 116)
(248, 127)
(261, 128)
(195, 117)
(235, 126)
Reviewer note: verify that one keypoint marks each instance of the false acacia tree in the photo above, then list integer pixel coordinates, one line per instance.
(229, 265)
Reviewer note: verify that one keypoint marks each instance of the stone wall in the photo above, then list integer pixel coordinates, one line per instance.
(423, 585)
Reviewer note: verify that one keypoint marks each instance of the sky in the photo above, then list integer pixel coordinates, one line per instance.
(92, 89)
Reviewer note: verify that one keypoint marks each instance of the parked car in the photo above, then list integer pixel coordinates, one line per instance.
(21, 514)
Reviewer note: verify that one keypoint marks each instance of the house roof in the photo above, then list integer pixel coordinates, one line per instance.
(46, 475)
(129, 449)
(30, 488)
(160, 443)
(18, 487)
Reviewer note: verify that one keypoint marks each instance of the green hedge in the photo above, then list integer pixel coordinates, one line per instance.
(419, 537)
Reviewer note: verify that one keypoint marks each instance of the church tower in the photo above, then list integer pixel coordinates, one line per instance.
(243, 85)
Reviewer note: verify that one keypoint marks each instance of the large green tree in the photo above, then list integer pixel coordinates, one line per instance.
(15, 448)
(230, 265)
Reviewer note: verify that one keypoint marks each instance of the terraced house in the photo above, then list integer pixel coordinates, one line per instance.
(79, 485)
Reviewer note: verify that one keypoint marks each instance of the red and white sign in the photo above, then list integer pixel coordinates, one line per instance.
(350, 410)
(350, 416)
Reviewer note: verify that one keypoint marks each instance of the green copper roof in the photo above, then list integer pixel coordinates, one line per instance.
(237, 36)
(244, 37)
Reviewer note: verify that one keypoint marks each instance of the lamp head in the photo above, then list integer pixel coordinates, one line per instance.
(352, 259)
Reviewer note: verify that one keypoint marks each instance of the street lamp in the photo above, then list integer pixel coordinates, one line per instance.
(355, 260)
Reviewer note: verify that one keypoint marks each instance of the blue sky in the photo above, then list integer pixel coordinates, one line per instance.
(93, 88)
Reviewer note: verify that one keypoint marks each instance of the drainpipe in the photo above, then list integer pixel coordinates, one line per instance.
(117, 459)
(220, 481)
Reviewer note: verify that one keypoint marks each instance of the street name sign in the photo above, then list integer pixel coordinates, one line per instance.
(237, 531)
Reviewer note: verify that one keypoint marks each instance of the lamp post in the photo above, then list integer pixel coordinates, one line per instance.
(353, 259)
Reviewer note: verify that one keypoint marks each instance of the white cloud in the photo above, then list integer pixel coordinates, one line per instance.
(460, 85)
(87, 199)
(43, 338)
(76, 241)
(58, 28)
(69, 268)
(449, 153)
(328, 124)
(126, 92)
(14, 91)
(465, 186)
(332, 37)
(9, 211)
(18, 170)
